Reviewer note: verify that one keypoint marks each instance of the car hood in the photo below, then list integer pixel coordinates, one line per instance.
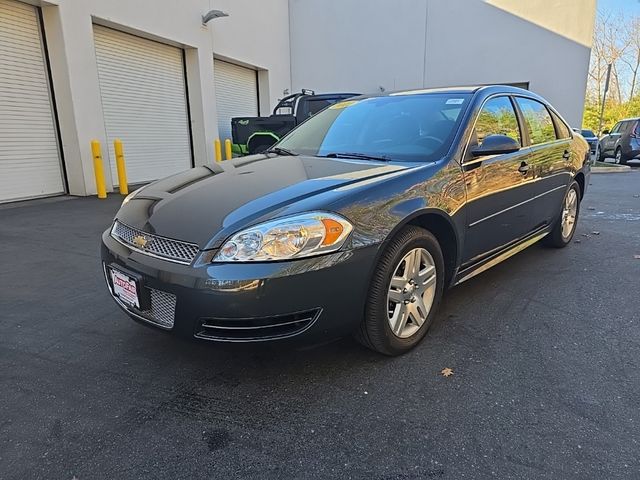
(206, 204)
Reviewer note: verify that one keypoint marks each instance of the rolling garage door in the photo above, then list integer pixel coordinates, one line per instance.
(144, 100)
(236, 94)
(29, 157)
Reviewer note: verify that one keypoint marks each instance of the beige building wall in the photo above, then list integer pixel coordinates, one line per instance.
(374, 45)
(326, 45)
(544, 42)
(68, 26)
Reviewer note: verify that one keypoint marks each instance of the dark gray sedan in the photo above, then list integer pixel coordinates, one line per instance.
(356, 222)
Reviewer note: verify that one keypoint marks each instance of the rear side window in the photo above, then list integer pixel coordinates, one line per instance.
(628, 127)
(562, 131)
(538, 121)
(497, 117)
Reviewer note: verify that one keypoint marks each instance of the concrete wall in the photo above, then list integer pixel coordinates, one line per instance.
(327, 45)
(68, 26)
(544, 42)
(357, 45)
(256, 34)
(369, 45)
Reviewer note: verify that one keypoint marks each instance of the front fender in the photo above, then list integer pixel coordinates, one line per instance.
(378, 211)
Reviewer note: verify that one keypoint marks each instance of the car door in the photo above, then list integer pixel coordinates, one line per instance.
(608, 142)
(496, 185)
(626, 129)
(550, 159)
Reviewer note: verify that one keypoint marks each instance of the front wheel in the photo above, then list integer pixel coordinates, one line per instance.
(565, 226)
(404, 293)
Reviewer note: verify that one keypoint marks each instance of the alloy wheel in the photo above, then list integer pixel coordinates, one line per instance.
(411, 292)
(618, 156)
(569, 212)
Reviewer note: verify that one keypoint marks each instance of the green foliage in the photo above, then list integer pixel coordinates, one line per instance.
(613, 113)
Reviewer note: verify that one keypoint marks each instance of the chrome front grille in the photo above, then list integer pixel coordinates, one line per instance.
(154, 245)
(163, 308)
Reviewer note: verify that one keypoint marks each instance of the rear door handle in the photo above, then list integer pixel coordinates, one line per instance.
(566, 154)
(524, 167)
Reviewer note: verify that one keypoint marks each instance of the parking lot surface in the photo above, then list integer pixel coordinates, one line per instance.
(545, 350)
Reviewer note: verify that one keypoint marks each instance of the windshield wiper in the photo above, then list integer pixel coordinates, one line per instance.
(282, 151)
(360, 156)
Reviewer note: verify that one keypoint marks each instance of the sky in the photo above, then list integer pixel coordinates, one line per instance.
(625, 6)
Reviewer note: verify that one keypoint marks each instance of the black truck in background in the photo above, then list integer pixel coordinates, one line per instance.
(256, 134)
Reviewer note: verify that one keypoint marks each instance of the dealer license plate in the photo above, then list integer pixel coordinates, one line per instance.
(125, 288)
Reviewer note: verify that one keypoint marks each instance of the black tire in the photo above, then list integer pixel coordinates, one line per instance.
(556, 239)
(374, 331)
(599, 155)
(623, 161)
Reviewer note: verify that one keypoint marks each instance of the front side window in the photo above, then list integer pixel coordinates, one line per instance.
(414, 127)
(616, 128)
(497, 117)
(538, 121)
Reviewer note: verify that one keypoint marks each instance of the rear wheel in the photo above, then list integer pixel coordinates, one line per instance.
(620, 157)
(404, 294)
(565, 226)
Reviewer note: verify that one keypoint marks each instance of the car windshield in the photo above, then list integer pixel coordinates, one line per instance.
(414, 127)
(587, 133)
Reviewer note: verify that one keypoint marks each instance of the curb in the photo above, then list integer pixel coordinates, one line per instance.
(620, 169)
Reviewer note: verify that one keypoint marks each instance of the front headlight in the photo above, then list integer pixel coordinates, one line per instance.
(285, 238)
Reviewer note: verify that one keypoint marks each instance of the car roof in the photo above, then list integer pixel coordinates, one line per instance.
(630, 119)
(487, 89)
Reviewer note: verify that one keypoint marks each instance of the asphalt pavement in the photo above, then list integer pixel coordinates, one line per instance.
(545, 350)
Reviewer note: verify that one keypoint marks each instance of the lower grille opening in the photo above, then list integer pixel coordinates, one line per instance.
(257, 328)
(162, 311)
(163, 308)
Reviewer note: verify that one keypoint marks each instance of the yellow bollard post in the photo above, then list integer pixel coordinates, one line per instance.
(218, 149)
(101, 185)
(122, 171)
(227, 149)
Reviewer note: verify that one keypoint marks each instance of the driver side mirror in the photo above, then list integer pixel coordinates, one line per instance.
(496, 145)
(606, 131)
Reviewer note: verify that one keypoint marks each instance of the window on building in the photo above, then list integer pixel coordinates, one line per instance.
(538, 121)
(497, 118)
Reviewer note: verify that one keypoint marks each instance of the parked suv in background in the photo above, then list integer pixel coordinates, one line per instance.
(592, 140)
(622, 142)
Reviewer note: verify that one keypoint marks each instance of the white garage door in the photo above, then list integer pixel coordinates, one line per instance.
(29, 158)
(236, 94)
(145, 104)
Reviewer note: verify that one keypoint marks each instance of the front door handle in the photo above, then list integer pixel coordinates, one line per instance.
(524, 168)
(566, 154)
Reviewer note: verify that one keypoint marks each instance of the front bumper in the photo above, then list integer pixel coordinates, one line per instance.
(315, 298)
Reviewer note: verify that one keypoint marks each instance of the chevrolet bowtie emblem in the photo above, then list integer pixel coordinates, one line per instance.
(140, 241)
